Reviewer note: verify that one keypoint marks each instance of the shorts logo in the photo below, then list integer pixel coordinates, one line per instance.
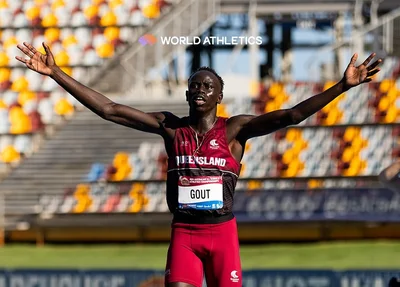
(234, 276)
(214, 144)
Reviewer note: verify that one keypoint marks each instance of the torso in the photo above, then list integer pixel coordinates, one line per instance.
(202, 172)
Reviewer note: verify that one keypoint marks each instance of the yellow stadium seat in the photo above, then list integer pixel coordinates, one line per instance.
(82, 196)
(5, 74)
(358, 144)
(122, 173)
(350, 133)
(2, 104)
(52, 34)
(334, 117)
(20, 84)
(254, 184)
(50, 20)
(69, 40)
(120, 158)
(292, 134)
(10, 42)
(355, 168)
(385, 85)
(294, 168)
(391, 115)
(151, 11)
(20, 122)
(138, 196)
(62, 59)
(314, 183)
(4, 59)
(115, 3)
(57, 4)
(25, 96)
(105, 50)
(9, 154)
(270, 106)
(392, 94)
(108, 19)
(40, 2)
(288, 156)
(91, 11)
(32, 12)
(111, 33)
(3, 4)
(384, 104)
(299, 145)
(221, 111)
(348, 154)
(63, 107)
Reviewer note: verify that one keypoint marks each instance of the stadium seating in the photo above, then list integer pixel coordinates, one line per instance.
(81, 34)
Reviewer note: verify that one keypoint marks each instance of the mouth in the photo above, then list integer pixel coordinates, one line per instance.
(199, 100)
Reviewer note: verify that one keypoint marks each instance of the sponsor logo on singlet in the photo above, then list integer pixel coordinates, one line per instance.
(201, 160)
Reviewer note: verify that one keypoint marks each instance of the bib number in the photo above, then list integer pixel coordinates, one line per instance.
(200, 192)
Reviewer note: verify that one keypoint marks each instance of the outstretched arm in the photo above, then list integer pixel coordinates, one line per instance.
(96, 102)
(252, 126)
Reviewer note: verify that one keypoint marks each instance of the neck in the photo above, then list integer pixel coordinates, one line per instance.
(202, 123)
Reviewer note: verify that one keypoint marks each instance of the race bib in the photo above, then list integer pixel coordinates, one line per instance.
(200, 192)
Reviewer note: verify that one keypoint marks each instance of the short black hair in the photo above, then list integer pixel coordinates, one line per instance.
(211, 70)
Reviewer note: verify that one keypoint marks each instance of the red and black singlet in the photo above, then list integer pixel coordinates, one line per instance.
(202, 175)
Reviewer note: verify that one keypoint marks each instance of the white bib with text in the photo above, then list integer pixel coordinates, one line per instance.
(200, 192)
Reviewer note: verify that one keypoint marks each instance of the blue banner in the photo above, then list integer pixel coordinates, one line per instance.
(151, 278)
(307, 205)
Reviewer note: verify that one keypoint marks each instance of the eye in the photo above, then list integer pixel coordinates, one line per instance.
(193, 85)
(208, 86)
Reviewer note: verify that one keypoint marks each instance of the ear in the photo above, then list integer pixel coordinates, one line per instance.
(220, 97)
(187, 96)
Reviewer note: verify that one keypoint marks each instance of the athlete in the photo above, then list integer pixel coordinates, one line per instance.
(390, 176)
(204, 154)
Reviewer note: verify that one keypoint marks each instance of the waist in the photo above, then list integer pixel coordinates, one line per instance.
(201, 218)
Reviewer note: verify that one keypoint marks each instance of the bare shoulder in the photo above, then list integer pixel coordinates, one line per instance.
(235, 124)
(240, 120)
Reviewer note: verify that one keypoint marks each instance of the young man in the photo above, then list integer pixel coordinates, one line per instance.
(390, 176)
(204, 161)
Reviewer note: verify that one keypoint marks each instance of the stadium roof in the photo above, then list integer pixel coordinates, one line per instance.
(290, 6)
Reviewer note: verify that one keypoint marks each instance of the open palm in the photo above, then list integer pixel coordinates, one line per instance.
(37, 62)
(355, 75)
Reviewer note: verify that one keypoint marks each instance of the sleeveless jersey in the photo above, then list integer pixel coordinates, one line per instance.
(202, 173)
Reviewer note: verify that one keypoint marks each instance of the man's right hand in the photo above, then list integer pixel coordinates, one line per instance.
(43, 64)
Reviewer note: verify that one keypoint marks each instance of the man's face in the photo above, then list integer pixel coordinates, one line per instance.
(204, 91)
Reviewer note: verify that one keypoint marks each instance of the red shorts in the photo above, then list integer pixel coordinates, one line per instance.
(204, 249)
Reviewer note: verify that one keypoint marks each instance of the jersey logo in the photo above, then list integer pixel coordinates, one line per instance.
(214, 144)
(234, 276)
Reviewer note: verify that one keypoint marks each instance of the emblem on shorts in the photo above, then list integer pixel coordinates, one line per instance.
(214, 144)
(234, 276)
(184, 180)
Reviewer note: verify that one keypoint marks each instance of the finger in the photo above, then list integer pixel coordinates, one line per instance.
(31, 48)
(23, 60)
(369, 59)
(367, 80)
(25, 50)
(373, 65)
(47, 49)
(353, 60)
(373, 72)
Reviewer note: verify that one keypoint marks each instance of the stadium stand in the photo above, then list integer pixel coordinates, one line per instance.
(82, 35)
